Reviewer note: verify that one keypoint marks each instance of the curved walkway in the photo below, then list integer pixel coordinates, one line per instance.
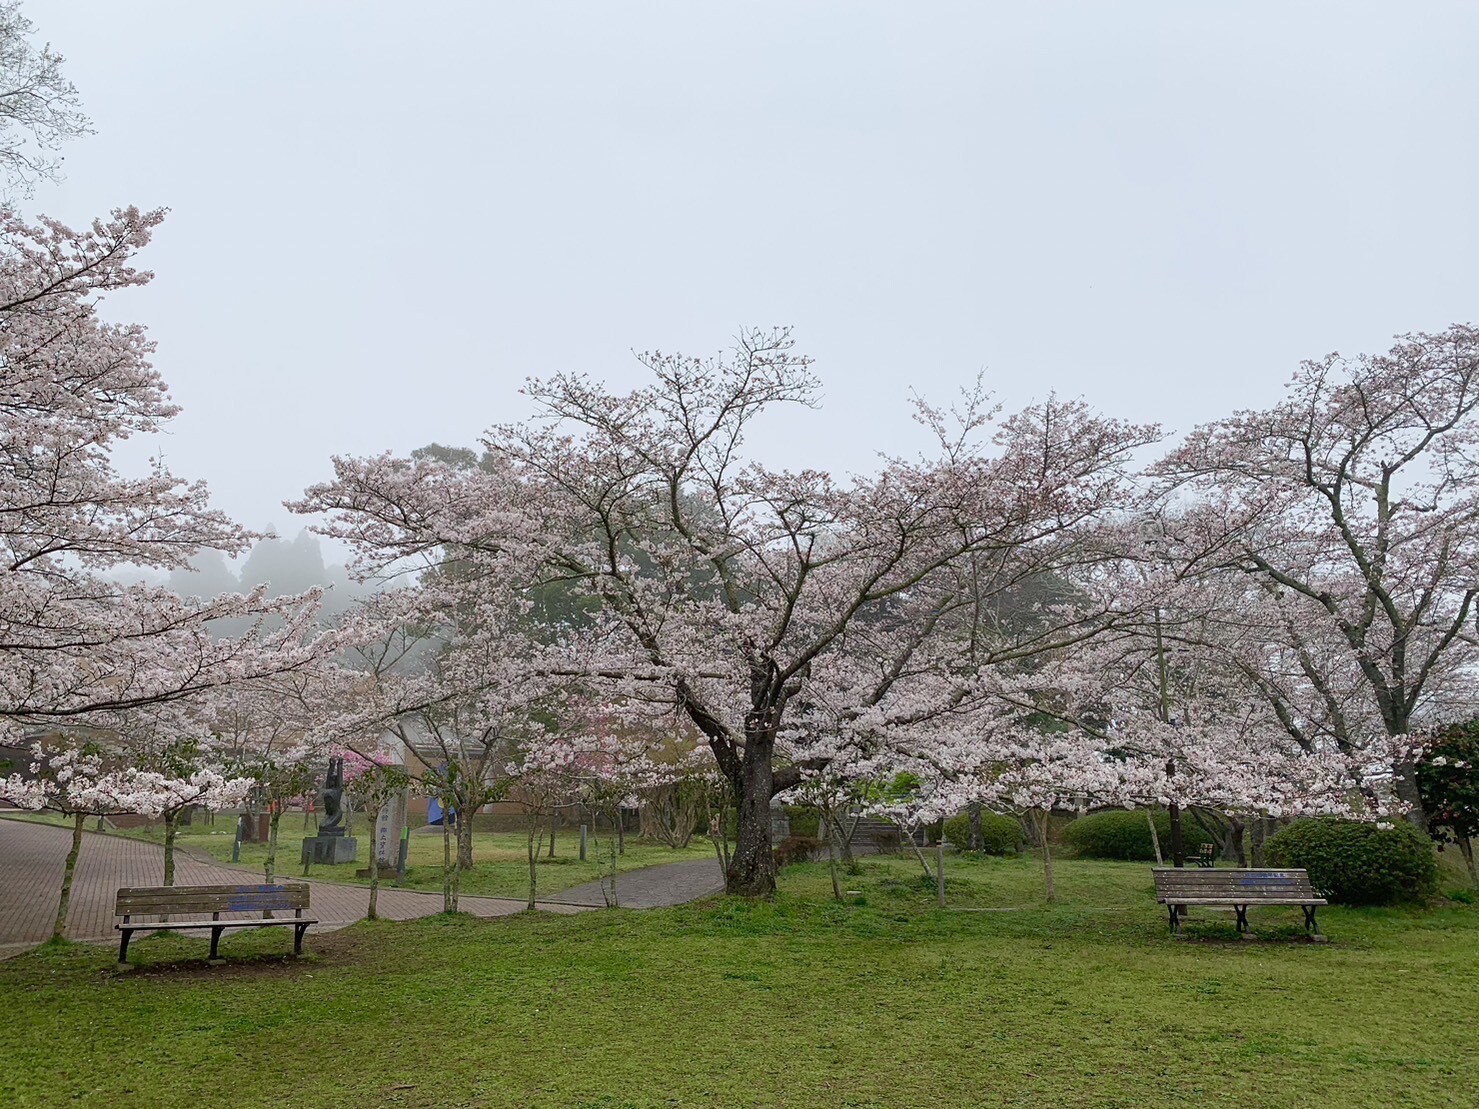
(652, 887)
(33, 856)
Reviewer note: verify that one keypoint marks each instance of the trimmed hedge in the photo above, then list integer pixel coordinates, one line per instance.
(804, 820)
(1124, 834)
(1356, 863)
(1000, 835)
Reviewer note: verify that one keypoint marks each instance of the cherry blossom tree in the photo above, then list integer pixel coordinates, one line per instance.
(39, 107)
(727, 589)
(374, 787)
(1351, 509)
(74, 641)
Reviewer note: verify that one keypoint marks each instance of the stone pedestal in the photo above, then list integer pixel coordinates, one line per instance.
(329, 850)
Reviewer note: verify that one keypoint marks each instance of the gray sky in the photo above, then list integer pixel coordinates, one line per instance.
(385, 215)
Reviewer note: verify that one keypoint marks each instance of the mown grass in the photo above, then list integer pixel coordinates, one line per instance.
(880, 1001)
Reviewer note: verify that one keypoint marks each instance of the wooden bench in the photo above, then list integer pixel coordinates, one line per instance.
(1178, 887)
(195, 901)
(1206, 856)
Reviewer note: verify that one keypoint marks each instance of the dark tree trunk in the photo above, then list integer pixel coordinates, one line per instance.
(1407, 793)
(1235, 840)
(171, 823)
(464, 843)
(1178, 845)
(752, 866)
(1259, 830)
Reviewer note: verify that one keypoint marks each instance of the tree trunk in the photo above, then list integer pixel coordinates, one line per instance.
(171, 824)
(67, 872)
(533, 858)
(751, 870)
(1407, 793)
(1466, 849)
(977, 833)
(832, 854)
(1235, 837)
(1259, 830)
(269, 868)
(1155, 837)
(372, 815)
(449, 902)
(1178, 845)
(551, 854)
(464, 841)
(621, 834)
(1040, 818)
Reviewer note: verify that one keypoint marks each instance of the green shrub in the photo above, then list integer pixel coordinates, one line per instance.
(1125, 834)
(1000, 835)
(1355, 863)
(805, 820)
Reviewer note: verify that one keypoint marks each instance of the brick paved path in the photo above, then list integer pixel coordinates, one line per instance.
(33, 856)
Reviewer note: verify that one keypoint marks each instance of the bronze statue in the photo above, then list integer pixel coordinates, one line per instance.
(332, 797)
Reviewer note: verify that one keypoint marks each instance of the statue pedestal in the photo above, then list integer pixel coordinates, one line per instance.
(329, 850)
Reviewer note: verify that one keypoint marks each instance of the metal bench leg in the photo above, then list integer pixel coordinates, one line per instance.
(215, 943)
(1175, 919)
(1242, 911)
(123, 947)
(1309, 919)
(298, 930)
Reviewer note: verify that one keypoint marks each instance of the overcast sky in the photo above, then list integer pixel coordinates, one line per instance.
(385, 215)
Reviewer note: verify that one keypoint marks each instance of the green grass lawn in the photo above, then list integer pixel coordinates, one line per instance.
(500, 859)
(881, 1001)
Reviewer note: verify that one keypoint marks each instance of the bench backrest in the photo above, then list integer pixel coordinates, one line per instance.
(1173, 882)
(160, 900)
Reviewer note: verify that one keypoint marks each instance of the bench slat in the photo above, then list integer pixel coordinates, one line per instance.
(157, 900)
(206, 925)
(1234, 887)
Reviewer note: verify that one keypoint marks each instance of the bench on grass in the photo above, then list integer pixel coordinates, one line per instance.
(1178, 887)
(193, 902)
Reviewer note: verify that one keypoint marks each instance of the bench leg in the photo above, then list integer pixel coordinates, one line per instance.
(298, 930)
(123, 948)
(1309, 919)
(215, 943)
(1242, 911)
(1175, 919)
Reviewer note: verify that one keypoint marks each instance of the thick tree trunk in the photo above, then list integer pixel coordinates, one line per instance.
(1259, 830)
(1235, 838)
(751, 870)
(67, 872)
(1407, 793)
(171, 824)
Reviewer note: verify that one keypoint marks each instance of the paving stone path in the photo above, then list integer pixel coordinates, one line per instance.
(32, 857)
(653, 887)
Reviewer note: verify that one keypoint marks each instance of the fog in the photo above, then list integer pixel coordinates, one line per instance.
(383, 216)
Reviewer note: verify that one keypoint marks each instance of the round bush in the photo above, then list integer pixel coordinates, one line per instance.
(1125, 834)
(1355, 863)
(1000, 835)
